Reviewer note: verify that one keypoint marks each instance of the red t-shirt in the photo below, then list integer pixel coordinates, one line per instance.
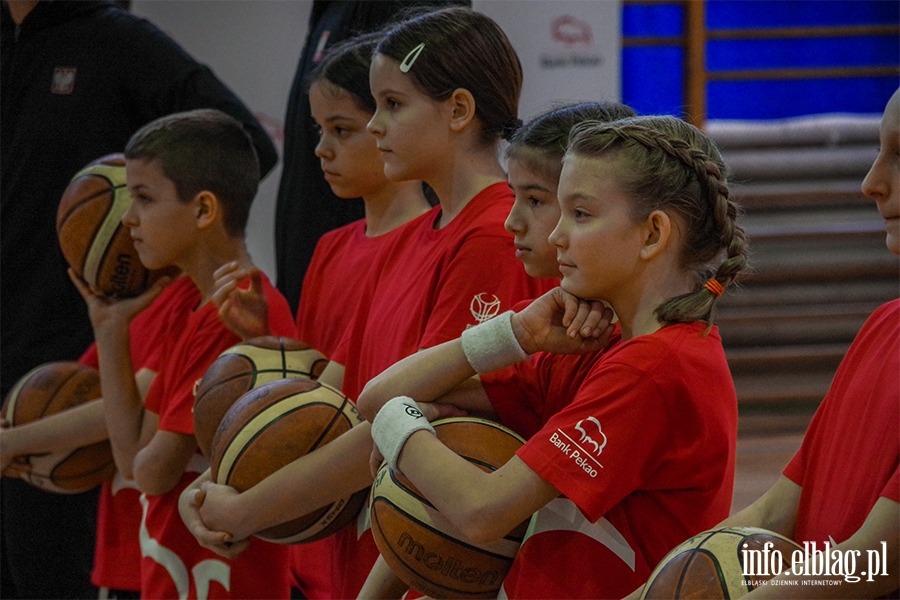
(174, 565)
(117, 555)
(334, 288)
(435, 283)
(850, 454)
(527, 394)
(643, 457)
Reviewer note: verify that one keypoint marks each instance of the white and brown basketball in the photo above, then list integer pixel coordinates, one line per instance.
(420, 545)
(46, 390)
(244, 367)
(712, 564)
(270, 427)
(91, 235)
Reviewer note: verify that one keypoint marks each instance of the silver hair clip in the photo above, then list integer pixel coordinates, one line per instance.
(407, 63)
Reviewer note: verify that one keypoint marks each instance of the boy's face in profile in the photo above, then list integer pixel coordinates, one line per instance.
(161, 225)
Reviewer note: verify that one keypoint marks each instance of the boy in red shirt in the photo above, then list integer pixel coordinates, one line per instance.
(192, 177)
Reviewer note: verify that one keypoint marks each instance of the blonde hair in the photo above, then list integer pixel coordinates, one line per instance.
(668, 164)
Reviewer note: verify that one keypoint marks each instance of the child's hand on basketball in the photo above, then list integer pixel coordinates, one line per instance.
(189, 503)
(245, 312)
(17, 467)
(562, 323)
(219, 514)
(109, 312)
(433, 411)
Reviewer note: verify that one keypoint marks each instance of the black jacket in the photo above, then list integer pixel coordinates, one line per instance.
(77, 79)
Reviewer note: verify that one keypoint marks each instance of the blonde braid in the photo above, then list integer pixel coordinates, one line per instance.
(696, 188)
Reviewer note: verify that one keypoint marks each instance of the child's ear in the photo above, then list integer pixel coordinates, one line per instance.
(658, 230)
(207, 209)
(462, 105)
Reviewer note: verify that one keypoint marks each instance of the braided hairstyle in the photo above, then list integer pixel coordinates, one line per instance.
(668, 164)
(541, 143)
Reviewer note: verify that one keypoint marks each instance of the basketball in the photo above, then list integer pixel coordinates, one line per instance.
(712, 564)
(421, 546)
(270, 427)
(244, 367)
(91, 235)
(48, 389)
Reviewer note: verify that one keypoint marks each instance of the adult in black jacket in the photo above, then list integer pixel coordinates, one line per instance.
(77, 78)
(306, 207)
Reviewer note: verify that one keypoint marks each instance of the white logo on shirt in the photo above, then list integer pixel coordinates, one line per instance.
(63, 80)
(588, 440)
(484, 307)
(581, 451)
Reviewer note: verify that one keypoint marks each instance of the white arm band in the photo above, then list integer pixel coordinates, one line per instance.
(492, 345)
(394, 423)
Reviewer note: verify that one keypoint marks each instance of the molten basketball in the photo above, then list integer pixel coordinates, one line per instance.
(243, 367)
(270, 427)
(91, 235)
(420, 545)
(49, 389)
(713, 564)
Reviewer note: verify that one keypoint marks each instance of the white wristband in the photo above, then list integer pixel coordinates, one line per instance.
(394, 423)
(492, 345)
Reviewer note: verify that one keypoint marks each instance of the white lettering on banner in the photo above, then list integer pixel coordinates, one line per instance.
(204, 572)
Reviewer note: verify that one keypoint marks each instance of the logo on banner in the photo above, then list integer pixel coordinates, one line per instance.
(576, 37)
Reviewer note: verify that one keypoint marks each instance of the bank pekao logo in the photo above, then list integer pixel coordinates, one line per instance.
(588, 440)
(484, 307)
(811, 562)
(583, 450)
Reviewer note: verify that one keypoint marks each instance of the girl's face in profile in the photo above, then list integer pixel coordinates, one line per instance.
(410, 128)
(598, 243)
(347, 152)
(533, 217)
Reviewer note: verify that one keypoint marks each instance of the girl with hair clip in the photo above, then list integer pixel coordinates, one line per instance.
(446, 86)
(341, 105)
(643, 456)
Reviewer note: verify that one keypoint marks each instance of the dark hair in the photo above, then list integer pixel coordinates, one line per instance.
(203, 150)
(462, 48)
(541, 142)
(666, 163)
(346, 66)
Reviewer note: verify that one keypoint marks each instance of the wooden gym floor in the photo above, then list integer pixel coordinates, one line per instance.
(766, 442)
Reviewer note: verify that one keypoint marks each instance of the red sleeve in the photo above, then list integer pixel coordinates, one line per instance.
(193, 357)
(597, 477)
(472, 286)
(90, 358)
(892, 490)
(281, 321)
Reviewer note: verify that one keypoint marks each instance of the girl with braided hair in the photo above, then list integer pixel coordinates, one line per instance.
(643, 457)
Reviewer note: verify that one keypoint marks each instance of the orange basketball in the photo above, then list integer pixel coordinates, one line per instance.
(244, 367)
(91, 235)
(270, 427)
(712, 564)
(48, 389)
(420, 545)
